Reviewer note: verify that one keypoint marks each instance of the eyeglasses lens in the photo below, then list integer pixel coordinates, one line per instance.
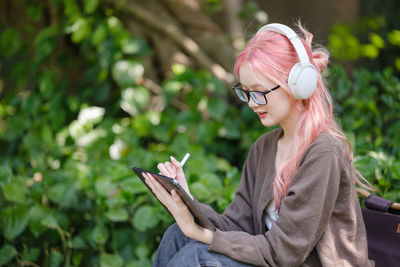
(241, 94)
(258, 97)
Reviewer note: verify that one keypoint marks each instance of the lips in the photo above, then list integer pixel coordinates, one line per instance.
(262, 114)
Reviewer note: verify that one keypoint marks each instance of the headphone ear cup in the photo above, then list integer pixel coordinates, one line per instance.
(302, 81)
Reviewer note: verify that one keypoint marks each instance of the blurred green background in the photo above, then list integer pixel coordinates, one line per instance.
(90, 88)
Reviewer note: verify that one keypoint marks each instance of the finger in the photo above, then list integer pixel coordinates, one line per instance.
(178, 167)
(161, 168)
(171, 169)
(149, 181)
(159, 191)
(164, 170)
(176, 197)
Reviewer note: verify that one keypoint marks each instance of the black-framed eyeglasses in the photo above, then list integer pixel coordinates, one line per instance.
(258, 97)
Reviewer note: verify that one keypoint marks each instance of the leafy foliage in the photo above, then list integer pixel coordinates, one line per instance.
(68, 140)
(369, 112)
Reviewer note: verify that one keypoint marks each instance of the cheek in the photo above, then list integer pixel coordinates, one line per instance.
(282, 107)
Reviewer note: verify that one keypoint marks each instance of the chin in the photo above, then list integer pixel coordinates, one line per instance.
(268, 123)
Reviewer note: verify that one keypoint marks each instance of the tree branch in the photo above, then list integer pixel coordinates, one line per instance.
(173, 32)
(234, 26)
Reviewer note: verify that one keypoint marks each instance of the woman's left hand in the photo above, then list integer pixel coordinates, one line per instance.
(179, 210)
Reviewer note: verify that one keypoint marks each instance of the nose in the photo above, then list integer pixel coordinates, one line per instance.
(251, 103)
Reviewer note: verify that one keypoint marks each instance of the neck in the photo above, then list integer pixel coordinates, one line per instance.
(289, 126)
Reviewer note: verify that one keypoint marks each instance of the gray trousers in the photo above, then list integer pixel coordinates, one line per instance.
(177, 250)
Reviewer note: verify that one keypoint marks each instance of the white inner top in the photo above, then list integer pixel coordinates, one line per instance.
(271, 215)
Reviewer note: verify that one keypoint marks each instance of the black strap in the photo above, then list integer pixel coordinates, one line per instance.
(377, 203)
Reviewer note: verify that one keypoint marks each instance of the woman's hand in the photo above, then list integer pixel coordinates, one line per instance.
(179, 210)
(174, 170)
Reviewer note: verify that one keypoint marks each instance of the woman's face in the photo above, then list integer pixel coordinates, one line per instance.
(280, 109)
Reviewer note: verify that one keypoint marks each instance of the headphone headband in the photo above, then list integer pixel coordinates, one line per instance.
(293, 38)
(303, 77)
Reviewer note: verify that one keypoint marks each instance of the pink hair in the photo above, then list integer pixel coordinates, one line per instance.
(272, 55)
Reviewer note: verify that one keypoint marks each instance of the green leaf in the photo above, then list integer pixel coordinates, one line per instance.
(207, 132)
(46, 83)
(77, 259)
(31, 253)
(145, 218)
(5, 174)
(114, 24)
(90, 6)
(133, 185)
(10, 42)
(217, 108)
(119, 215)
(36, 214)
(15, 191)
(394, 37)
(127, 72)
(56, 258)
(15, 127)
(64, 195)
(370, 51)
(172, 87)
(395, 170)
(45, 43)
(100, 34)
(78, 243)
(7, 252)
(139, 263)
(366, 165)
(142, 251)
(80, 29)
(111, 260)
(134, 100)
(211, 181)
(35, 11)
(14, 221)
(200, 191)
(50, 222)
(133, 46)
(103, 185)
(377, 40)
(91, 115)
(100, 234)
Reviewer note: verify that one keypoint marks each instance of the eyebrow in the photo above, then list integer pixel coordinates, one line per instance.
(254, 86)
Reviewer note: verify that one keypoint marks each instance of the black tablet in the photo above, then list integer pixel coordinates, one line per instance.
(169, 184)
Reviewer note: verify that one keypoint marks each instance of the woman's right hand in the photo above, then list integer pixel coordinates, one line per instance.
(174, 170)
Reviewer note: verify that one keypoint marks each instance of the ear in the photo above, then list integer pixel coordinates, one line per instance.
(299, 105)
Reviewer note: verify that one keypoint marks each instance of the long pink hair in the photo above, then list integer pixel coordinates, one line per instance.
(272, 55)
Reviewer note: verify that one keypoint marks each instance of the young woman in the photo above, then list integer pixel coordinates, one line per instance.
(296, 204)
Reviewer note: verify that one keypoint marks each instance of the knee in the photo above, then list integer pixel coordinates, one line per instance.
(194, 254)
(173, 231)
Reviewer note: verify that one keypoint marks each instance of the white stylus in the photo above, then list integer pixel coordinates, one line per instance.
(185, 158)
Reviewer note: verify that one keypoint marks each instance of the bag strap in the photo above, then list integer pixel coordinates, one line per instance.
(374, 202)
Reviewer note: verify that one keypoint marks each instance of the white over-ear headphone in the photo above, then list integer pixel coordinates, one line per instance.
(303, 76)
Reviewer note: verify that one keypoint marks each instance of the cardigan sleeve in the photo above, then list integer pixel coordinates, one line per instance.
(238, 216)
(303, 216)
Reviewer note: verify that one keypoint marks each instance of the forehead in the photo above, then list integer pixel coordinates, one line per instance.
(251, 78)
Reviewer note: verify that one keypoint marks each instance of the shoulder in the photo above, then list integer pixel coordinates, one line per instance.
(264, 147)
(268, 139)
(328, 144)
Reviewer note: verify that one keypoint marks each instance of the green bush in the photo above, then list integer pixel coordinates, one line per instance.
(369, 111)
(68, 196)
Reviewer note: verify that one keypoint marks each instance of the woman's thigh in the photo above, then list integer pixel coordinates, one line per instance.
(196, 254)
